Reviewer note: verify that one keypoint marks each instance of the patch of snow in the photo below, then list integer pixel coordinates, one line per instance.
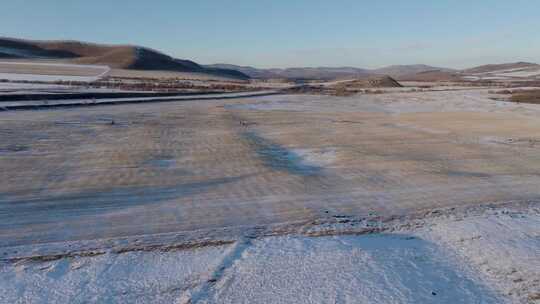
(47, 78)
(490, 77)
(483, 258)
(347, 269)
(506, 73)
(17, 86)
(316, 157)
(530, 73)
(504, 247)
(495, 78)
(501, 71)
(100, 71)
(133, 277)
(100, 68)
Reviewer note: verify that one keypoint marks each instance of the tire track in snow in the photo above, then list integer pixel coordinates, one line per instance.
(206, 289)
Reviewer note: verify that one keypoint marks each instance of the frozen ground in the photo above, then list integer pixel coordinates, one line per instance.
(491, 257)
(396, 103)
(97, 172)
(117, 186)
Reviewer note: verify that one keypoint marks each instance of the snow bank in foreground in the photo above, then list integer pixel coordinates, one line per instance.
(346, 269)
(490, 258)
(133, 277)
(289, 269)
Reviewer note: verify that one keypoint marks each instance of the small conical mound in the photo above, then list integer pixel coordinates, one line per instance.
(370, 82)
(383, 82)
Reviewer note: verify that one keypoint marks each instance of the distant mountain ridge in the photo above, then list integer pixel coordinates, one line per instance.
(329, 73)
(413, 72)
(487, 68)
(401, 70)
(321, 73)
(116, 56)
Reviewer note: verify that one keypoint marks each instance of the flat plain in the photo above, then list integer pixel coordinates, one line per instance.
(125, 170)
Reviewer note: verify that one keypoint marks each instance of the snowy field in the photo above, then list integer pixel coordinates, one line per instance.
(51, 72)
(503, 247)
(46, 78)
(15, 87)
(490, 257)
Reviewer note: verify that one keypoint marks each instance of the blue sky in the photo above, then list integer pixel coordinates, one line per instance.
(286, 33)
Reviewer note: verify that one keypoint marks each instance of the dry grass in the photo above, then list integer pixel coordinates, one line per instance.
(531, 96)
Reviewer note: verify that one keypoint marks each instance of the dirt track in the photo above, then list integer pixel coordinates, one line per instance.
(72, 174)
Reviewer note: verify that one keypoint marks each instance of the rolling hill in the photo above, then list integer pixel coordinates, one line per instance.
(414, 72)
(137, 58)
(115, 56)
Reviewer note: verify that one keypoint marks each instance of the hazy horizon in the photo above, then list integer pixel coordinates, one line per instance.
(299, 33)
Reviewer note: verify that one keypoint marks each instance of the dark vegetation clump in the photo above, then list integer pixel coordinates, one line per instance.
(529, 96)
